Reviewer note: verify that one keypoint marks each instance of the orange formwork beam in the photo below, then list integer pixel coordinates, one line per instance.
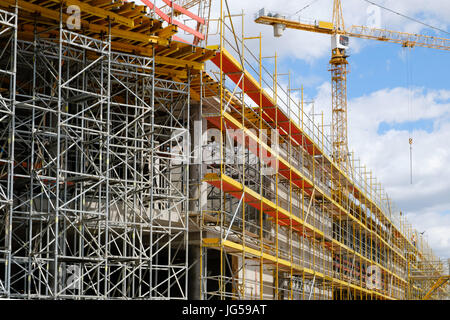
(184, 11)
(169, 20)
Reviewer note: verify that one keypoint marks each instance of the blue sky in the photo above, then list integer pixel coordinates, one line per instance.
(423, 124)
(377, 66)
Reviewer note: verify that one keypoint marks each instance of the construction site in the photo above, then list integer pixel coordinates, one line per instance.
(146, 152)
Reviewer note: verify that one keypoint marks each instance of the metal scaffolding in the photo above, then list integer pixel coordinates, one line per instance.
(127, 171)
(99, 187)
(8, 68)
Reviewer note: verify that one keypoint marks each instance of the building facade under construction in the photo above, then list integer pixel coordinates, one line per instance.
(138, 165)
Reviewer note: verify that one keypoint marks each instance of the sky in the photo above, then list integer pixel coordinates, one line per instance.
(393, 94)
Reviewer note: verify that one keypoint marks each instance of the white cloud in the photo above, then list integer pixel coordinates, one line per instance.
(437, 230)
(310, 46)
(426, 202)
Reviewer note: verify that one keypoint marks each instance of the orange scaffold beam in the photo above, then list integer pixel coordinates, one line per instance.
(184, 11)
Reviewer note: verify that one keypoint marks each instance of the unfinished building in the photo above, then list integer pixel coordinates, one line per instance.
(130, 170)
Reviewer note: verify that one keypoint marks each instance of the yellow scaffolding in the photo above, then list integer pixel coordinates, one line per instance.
(306, 230)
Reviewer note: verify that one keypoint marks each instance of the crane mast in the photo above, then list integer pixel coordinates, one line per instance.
(338, 69)
(338, 17)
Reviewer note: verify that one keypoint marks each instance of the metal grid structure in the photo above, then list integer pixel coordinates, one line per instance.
(430, 277)
(100, 197)
(338, 68)
(8, 62)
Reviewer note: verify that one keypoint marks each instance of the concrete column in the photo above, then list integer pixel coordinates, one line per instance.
(198, 196)
(194, 272)
(197, 190)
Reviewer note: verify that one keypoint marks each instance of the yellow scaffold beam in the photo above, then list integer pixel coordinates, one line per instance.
(54, 15)
(98, 12)
(439, 283)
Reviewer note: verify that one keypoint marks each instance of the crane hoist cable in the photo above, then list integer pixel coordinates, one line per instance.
(409, 77)
(411, 103)
(409, 80)
(305, 7)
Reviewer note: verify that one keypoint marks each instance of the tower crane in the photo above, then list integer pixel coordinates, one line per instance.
(338, 64)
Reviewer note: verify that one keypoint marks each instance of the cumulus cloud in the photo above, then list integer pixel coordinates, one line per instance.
(309, 46)
(437, 230)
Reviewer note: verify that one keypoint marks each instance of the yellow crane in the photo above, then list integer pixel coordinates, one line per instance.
(338, 63)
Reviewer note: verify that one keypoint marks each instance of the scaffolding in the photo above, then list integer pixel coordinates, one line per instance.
(281, 219)
(93, 177)
(94, 169)
(128, 171)
(8, 68)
